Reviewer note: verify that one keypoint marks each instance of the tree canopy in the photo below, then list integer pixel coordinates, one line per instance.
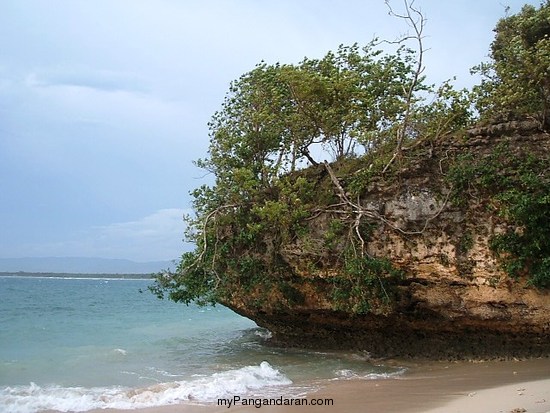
(274, 116)
(516, 82)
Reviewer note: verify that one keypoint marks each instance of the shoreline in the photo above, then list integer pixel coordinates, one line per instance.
(428, 387)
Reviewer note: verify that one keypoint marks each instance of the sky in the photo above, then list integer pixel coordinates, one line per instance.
(104, 104)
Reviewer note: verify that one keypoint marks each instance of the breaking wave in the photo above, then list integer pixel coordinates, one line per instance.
(246, 380)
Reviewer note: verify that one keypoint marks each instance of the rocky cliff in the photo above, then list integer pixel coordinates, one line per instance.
(443, 290)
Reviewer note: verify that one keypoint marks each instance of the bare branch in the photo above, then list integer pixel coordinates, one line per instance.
(416, 21)
(358, 211)
(211, 215)
(336, 182)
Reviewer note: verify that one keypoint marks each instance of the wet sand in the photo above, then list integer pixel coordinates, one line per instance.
(428, 387)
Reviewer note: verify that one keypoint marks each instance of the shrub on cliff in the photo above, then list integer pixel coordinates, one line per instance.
(516, 82)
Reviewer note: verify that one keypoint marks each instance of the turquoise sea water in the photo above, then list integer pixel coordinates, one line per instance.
(75, 344)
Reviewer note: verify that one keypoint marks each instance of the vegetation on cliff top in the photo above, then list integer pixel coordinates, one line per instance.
(516, 185)
(366, 109)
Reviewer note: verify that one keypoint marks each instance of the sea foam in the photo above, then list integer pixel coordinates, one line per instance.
(243, 381)
(347, 374)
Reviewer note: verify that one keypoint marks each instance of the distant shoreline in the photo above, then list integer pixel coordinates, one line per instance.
(75, 275)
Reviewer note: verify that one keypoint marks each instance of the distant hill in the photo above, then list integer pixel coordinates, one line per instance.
(85, 265)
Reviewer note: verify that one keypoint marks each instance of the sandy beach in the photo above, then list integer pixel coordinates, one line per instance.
(428, 387)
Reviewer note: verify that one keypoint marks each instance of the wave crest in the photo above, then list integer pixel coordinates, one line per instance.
(34, 398)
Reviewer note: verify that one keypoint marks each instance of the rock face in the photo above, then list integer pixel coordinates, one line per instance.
(454, 300)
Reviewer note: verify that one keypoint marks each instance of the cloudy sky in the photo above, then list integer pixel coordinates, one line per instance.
(104, 103)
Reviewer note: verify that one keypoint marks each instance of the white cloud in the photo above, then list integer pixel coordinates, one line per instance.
(101, 97)
(155, 237)
(104, 80)
(157, 225)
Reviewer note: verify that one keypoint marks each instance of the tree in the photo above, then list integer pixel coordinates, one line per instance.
(348, 97)
(247, 136)
(516, 82)
(273, 115)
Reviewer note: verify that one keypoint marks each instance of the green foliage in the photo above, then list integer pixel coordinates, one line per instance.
(519, 186)
(449, 111)
(366, 283)
(466, 243)
(347, 97)
(528, 248)
(335, 233)
(517, 80)
(469, 174)
(246, 133)
(191, 285)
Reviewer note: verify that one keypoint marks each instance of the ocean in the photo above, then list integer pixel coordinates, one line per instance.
(75, 344)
